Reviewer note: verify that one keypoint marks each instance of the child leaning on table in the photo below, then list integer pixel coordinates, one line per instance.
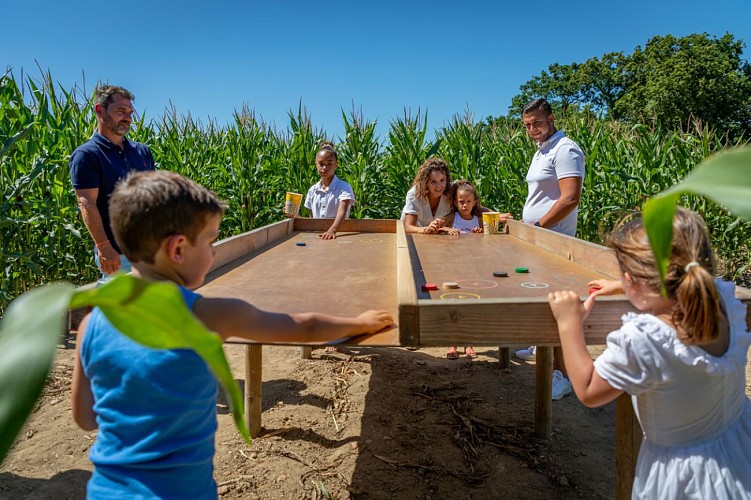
(682, 359)
(466, 218)
(156, 409)
(467, 214)
(331, 197)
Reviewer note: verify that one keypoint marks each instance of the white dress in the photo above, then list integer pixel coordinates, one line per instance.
(465, 226)
(691, 405)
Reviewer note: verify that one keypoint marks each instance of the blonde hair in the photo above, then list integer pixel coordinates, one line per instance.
(429, 166)
(689, 282)
(467, 187)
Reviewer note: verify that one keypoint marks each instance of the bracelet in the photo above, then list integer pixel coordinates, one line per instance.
(102, 243)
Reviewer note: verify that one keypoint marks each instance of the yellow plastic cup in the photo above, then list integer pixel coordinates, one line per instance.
(491, 222)
(292, 203)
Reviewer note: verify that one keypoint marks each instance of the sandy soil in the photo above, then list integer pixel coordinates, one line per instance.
(361, 423)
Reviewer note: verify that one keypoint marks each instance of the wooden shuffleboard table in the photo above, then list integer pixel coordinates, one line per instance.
(373, 264)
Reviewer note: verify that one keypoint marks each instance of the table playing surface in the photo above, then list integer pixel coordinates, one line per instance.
(357, 271)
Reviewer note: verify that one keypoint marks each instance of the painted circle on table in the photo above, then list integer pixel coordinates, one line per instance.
(369, 240)
(459, 296)
(534, 284)
(344, 242)
(476, 284)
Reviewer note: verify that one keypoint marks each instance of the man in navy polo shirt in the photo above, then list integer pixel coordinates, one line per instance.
(97, 166)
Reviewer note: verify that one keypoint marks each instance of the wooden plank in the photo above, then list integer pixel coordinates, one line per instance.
(280, 230)
(506, 322)
(628, 439)
(347, 225)
(406, 291)
(233, 248)
(591, 255)
(253, 384)
(544, 392)
(504, 358)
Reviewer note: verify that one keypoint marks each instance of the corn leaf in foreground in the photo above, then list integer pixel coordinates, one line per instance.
(154, 314)
(29, 333)
(725, 178)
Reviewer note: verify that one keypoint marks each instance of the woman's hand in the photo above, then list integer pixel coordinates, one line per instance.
(434, 226)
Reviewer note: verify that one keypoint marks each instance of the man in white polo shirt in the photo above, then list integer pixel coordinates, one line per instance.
(554, 180)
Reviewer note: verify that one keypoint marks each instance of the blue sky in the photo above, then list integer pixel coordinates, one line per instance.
(209, 58)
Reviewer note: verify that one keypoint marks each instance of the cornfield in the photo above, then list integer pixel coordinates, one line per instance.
(250, 165)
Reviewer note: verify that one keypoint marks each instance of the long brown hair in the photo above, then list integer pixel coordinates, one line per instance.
(429, 166)
(697, 309)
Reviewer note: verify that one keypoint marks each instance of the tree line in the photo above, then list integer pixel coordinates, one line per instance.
(671, 82)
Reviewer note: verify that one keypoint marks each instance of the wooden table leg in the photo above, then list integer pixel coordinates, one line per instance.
(544, 392)
(253, 381)
(504, 358)
(306, 352)
(628, 438)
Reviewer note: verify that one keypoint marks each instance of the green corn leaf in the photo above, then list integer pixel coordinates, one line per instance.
(725, 178)
(155, 315)
(29, 333)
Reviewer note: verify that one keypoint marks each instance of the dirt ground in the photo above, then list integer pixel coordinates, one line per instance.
(360, 423)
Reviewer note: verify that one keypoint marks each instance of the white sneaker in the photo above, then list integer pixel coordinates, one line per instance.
(561, 385)
(529, 354)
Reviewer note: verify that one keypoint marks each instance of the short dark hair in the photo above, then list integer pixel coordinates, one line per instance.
(147, 207)
(104, 94)
(537, 104)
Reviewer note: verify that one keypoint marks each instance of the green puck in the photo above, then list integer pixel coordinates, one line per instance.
(522, 269)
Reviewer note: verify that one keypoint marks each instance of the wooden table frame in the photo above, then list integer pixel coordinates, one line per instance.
(499, 322)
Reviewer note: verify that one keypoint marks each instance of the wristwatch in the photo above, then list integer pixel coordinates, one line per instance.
(538, 224)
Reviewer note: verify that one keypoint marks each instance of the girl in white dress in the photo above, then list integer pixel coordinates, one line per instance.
(682, 359)
(466, 218)
(467, 214)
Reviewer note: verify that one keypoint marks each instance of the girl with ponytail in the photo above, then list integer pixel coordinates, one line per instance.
(682, 358)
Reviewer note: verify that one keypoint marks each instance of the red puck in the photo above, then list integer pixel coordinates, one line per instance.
(427, 287)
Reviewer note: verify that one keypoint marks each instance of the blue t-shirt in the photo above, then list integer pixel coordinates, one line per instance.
(156, 411)
(99, 163)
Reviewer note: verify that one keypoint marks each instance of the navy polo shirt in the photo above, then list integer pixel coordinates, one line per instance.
(99, 163)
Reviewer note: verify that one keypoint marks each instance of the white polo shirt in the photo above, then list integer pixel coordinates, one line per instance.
(421, 207)
(324, 202)
(557, 158)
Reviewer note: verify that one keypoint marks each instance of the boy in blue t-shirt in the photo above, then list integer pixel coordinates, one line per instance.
(156, 409)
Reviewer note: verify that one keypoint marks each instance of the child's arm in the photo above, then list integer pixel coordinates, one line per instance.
(504, 215)
(341, 214)
(570, 313)
(237, 318)
(479, 228)
(82, 400)
(605, 287)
